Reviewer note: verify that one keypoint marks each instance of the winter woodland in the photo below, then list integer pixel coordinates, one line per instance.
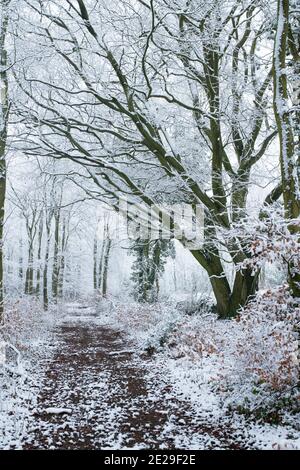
(114, 115)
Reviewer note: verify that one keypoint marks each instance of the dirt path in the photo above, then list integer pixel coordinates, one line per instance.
(108, 401)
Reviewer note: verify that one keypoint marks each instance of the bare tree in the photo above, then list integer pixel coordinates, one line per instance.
(39, 257)
(57, 241)
(4, 117)
(30, 210)
(184, 100)
(287, 119)
(101, 257)
(63, 252)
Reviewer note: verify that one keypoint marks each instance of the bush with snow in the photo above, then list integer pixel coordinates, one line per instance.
(25, 328)
(268, 349)
(252, 361)
(270, 240)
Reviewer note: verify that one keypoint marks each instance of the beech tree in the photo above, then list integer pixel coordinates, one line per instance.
(43, 215)
(4, 118)
(287, 114)
(173, 100)
(102, 251)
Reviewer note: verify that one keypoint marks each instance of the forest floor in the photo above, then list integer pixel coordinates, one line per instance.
(98, 391)
(97, 394)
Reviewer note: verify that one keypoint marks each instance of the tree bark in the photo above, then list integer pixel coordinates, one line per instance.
(95, 263)
(21, 270)
(39, 258)
(245, 286)
(229, 299)
(29, 270)
(288, 160)
(55, 271)
(4, 116)
(62, 262)
(46, 265)
(105, 267)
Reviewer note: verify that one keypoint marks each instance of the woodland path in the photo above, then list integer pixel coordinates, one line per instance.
(109, 400)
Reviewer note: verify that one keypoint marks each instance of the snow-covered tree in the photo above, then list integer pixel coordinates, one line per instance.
(177, 91)
(287, 119)
(4, 118)
(148, 266)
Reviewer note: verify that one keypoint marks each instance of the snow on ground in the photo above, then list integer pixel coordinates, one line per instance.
(28, 343)
(114, 376)
(194, 385)
(194, 374)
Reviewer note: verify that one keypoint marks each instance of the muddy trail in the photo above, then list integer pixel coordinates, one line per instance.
(97, 393)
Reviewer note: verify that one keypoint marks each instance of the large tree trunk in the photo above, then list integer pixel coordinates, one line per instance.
(228, 299)
(4, 115)
(245, 286)
(218, 280)
(284, 120)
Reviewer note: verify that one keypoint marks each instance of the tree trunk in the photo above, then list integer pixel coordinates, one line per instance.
(60, 292)
(105, 267)
(154, 271)
(229, 300)
(4, 115)
(55, 272)
(62, 262)
(288, 160)
(95, 261)
(29, 271)
(101, 260)
(45, 273)
(245, 286)
(21, 270)
(39, 258)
